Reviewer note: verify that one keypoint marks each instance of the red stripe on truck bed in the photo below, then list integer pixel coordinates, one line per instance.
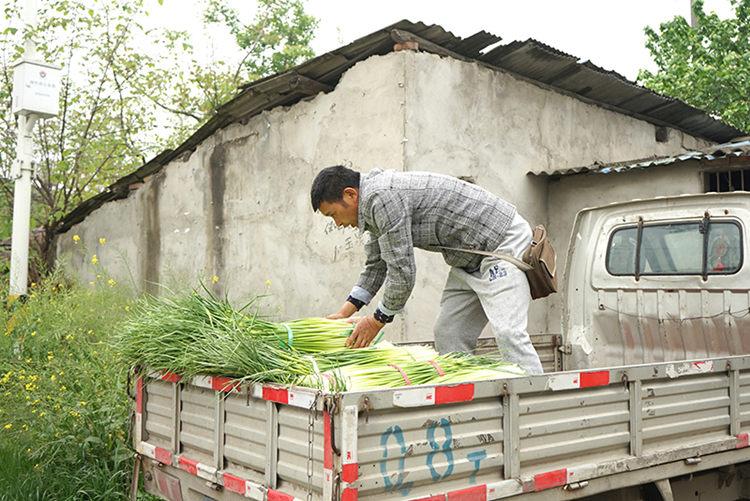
(349, 494)
(224, 384)
(278, 395)
(327, 445)
(350, 472)
(170, 377)
(163, 455)
(477, 493)
(234, 484)
(550, 479)
(598, 378)
(279, 496)
(188, 465)
(451, 394)
(139, 395)
(743, 440)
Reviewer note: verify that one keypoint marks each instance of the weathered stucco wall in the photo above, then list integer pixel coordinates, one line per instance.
(238, 207)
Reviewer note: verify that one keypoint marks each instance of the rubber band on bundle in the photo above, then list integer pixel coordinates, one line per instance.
(403, 374)
(289, 335)
(437, 367)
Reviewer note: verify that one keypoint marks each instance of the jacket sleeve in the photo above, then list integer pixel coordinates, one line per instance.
(373, 274)
(392, 217)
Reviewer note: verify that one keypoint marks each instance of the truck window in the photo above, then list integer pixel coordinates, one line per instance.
(678, 248)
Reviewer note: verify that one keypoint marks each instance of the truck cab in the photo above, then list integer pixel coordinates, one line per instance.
(658, 280)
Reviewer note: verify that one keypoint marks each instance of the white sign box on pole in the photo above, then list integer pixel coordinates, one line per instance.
(36, 89)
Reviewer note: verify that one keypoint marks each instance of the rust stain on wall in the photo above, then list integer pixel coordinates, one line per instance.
(151, 258)
(215, 224)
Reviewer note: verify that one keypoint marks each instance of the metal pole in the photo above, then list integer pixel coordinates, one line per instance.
(19, 253)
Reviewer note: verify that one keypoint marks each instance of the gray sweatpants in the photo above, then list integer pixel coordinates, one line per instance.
(499, 293)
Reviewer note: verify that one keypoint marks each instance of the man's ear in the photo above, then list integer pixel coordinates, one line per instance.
(351, 194)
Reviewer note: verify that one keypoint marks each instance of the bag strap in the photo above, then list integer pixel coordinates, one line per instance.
(505, 257)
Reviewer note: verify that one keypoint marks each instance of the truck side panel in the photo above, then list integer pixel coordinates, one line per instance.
(486, 440)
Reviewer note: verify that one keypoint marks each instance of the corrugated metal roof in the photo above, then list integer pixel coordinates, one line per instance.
(529, 59)
(727, 150)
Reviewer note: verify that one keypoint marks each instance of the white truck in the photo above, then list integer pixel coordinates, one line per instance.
(651, 401)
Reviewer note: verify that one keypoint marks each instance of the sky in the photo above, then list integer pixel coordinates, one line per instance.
(608, 33)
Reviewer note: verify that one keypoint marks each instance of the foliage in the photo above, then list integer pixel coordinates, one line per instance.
(127, 91)
(103, 129)
(278, 38)
(63, 409)
(706, 65)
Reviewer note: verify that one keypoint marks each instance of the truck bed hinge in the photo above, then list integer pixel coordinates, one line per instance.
(576, 485)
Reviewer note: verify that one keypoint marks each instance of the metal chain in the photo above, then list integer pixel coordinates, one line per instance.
(310, 443)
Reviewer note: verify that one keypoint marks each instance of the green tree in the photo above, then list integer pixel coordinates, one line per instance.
(127, 92)
(706, 66)
(103, 129)
(276, 39)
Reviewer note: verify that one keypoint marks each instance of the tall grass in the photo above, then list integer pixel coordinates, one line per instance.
(63, 407)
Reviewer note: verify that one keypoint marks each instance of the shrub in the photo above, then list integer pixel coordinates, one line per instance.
(63, 407)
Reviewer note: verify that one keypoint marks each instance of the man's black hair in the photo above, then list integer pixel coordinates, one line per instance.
(330, 183)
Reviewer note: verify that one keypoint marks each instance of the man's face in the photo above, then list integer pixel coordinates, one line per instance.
(343, 212)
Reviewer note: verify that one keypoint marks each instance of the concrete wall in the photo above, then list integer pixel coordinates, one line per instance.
(238, 207)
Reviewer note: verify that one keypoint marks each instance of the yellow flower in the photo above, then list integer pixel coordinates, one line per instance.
(82, 403)
(102, 240)
(33, 284)
(92, 284)
(25, 427)
(8, 426)
(268, 282)
(214, 279)
(33, 333)
(111, 282)
(76, 238)
(52, 378)
(41, 414)
(94, 259)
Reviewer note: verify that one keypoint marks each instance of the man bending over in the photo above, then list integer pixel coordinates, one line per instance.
(437, 213)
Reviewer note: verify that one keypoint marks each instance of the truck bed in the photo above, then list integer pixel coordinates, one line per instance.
(561, 435)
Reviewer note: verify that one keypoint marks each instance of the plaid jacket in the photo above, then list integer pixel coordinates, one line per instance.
(403, 210)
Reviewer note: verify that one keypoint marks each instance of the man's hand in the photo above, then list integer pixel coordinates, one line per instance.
(364, 332)
(346, 311)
